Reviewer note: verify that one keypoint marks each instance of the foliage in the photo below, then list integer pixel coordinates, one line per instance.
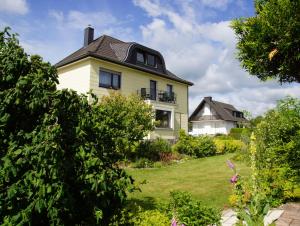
(58, 152)
(252, 201)
(201, 146)
(190, 212)
(152, 149)
(228, 146)
(151, 218)
(142, 163)
(237, 133)
(278, 136)
(278, 149)
(268, 43)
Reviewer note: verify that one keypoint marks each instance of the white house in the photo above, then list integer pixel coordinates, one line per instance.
(212, 117)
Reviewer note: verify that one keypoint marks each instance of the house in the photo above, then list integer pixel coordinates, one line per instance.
(106, 64)
(213, 117)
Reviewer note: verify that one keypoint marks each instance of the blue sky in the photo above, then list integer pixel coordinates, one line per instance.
(193, 35)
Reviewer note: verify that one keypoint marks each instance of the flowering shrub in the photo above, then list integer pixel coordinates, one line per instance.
(199, 147)
(249, 198)
(228, 146)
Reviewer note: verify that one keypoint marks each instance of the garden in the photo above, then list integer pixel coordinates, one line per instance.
(67, 161)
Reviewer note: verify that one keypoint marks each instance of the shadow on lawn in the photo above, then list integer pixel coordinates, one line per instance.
(147, 203)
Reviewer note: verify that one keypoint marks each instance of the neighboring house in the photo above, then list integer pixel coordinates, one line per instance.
(212, 117)
(106, 64)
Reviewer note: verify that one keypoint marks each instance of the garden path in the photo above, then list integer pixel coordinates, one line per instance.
(285, 215)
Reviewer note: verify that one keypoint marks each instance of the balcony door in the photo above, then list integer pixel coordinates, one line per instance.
(153, 90)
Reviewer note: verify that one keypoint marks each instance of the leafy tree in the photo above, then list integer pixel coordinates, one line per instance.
(58, 152)
(268, 43)
(278, 149)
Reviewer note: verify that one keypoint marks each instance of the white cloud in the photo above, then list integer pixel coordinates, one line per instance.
(217, 4)
(204, 53)
(14, 6)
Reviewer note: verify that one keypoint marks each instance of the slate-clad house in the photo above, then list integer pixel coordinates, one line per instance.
(106, 64)
(213, 117)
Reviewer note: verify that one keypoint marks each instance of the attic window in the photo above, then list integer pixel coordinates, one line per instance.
(151, 60)
(140, 57)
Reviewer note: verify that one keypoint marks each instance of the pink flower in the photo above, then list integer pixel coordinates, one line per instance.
(173, 223)
(234, 179)
(230, 164)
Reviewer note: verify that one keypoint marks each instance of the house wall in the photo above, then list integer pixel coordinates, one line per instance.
(131, 81)
(212, 127)
(75, 76)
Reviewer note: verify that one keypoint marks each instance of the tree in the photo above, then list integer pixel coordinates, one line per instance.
(58, 152)
(269, 42)
(278, 149)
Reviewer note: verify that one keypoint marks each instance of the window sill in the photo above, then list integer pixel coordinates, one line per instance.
(162, 128)
(108, 87)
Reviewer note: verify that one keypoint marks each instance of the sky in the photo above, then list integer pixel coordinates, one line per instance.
(194, 37)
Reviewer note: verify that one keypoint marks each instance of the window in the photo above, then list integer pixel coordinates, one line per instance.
(151, 60)
(163, 118)
(140, 57)
(169, 89)
(153, 90)
(109, 79)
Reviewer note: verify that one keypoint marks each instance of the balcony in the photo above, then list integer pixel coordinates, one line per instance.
(157, 95)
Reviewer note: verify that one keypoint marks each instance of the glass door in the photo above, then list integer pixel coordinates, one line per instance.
(153, 90)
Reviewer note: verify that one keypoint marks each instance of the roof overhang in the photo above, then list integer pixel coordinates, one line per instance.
(90, 54)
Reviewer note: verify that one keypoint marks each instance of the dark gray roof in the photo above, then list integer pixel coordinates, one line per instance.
(116, 51)
(224, 111)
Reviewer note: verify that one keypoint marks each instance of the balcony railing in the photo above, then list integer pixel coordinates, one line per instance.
(158, 95)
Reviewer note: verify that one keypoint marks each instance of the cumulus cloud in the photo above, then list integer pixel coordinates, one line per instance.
(103, 21)
(14, 6)
(204, 53)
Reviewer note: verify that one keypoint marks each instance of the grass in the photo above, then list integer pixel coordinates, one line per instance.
(207, 179)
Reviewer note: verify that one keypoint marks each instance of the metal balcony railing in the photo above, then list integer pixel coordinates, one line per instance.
(158, 95)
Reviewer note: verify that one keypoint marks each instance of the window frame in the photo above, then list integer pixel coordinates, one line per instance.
(169, 123)
(144, 58)
(154, 60)
(113, 74)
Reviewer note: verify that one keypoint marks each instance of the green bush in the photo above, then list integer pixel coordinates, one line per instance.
(278, 149)
(229, 146)
(58, 152)
(201, 146)
(142, 163)
(151, 218)
(236, 133)
(190, 212)
(152, 149)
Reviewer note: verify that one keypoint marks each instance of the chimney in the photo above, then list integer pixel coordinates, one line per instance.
(208, 98)
(88, 35)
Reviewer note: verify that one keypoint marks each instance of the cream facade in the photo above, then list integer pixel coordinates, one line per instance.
(85, 74)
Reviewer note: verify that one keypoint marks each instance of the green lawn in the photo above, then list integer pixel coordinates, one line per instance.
(207, 179)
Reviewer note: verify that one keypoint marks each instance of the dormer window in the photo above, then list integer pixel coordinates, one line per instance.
(140, 57)
(151, 60)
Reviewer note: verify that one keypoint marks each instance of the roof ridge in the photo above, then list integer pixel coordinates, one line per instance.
(101, 41)
(108, 36)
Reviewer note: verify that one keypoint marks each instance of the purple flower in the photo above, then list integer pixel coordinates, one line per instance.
(234, 179)
(173, 223)
(230, 164)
